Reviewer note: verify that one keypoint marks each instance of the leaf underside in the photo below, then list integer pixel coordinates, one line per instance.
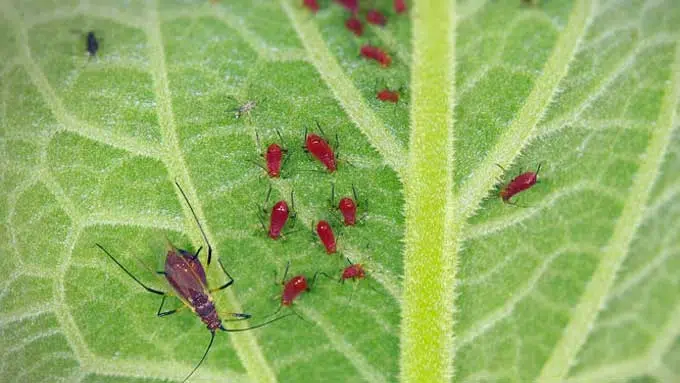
(579, 281)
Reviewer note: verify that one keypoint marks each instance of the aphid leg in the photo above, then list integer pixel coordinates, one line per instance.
(311, 284)
(162, 313)
(147, 288)
(293, 212)
(238, 317)
(332, 201)
(200, 228)
(229, 283)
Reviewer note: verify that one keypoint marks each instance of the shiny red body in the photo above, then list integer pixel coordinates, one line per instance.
(278, 219)
(519, 184)
(388, 96)
(325, 232)
(292, 289)
(186, 275)
(348, 208)
(350, 5)
(273, 156)
(322, 151)
(376, 17)
(312, 5)
(400, 6)
(353, 271)
(354, 25)
(377, 54)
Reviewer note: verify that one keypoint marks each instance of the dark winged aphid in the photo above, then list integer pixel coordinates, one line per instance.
(519, 184)
(187, 277)
(92, 44)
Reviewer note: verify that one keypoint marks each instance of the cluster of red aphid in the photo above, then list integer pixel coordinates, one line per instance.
(354, 24)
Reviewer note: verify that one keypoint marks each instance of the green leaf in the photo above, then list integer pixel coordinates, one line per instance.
(579, 282)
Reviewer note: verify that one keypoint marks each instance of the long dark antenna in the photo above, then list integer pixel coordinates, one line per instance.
(538, 169)
(147, 288)
(212, 338)
(254, 327)
(205, 238)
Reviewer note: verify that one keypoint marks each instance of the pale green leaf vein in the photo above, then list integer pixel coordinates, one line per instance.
(345, 92)
(598, 288)
(246, 345)
(429, 260)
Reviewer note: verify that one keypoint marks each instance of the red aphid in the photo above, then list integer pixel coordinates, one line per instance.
(400, 6)
(322, 151)
(325, 232)
(375, 17)
(354, 25)
(273, 156)
(388, 96)
(292, 289)
(278, 219)
(376, 54)
(350, 5)
(353, 271)
(519, 184)
(312, 5)
(348, 208)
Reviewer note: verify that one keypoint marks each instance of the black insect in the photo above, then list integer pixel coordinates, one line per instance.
(92, 44)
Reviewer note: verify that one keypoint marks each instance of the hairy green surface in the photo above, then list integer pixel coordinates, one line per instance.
(579, 283)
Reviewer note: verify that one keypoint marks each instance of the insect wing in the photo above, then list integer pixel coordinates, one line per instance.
(185, 274)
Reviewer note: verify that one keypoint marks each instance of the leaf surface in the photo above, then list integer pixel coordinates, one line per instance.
(579, 282)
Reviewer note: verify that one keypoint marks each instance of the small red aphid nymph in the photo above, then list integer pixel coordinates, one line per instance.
(325, 232)
(278, 219)
(400, 6)
(519, 184)
(312, 5)
(375, 17)
(348, 208)
(377, 54)
(353, 271)
(273, 156)
(293, 288)
(388, 96)
(322, 151)
(354, 25)
(350, 5)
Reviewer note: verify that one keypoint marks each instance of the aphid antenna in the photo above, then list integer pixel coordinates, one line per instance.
(212, 338)
(293, 212)
(147, 288)
(278, 133)
(332, 201)
(320, 129)
(538, 169)
(304, 140)
(502, 168)
(198, 223)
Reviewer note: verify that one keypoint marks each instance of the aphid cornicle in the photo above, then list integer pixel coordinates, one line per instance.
(186, 275)
(519, 184)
